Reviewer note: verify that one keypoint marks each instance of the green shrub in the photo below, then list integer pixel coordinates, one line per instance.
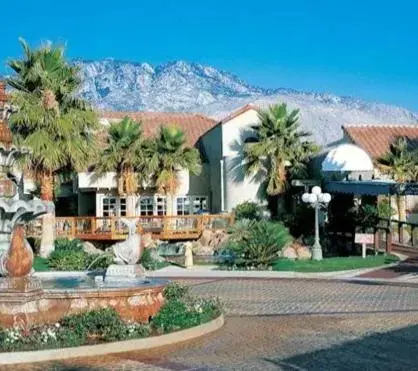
(62, 260)
(384, 209)
(241, 230)
(64, 244)
(174, 316)
(69, 255)
(260, 246)
(175, 291)
(301, 221)
(104, 324)
(151, 264)
(249, 210)
(184, 313)
(96, 261)
(180, 311)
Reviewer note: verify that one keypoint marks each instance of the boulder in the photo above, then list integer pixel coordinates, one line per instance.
(289, 252)
(201, 250)
(303, 252)
(206, 237)
(155, 256)
(89, 248)
(147, 241)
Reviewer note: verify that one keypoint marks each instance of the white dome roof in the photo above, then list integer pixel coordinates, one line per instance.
(347, 157)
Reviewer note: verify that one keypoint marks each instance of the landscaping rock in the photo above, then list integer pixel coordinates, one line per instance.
(155, 256)
(206, 237)
(147, 241)
(89, 248)
(289, 252)
(304, 253)
(200, 250)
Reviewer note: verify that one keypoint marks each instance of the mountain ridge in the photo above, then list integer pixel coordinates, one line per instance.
(179, 86)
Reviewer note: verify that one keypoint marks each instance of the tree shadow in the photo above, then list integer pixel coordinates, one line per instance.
(394, 350)
(237, 165)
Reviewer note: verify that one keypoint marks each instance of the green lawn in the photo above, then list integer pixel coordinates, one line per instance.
(40, 264)
(333, 264)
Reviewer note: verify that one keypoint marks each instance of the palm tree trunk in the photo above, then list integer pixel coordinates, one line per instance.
(401, 199)
(48, 220)
(47, 185)
(130, 205)
(130, 184)
(402, 208)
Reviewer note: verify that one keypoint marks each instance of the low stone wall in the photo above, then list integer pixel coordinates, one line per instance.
(12, 358)
(39, 306)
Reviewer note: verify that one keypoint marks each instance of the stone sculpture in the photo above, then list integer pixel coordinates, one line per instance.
(130, 250)
(188, 255)
(16, 256)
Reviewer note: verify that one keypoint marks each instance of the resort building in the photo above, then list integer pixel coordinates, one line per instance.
(219, 188)
(350, 166)
(222, 183)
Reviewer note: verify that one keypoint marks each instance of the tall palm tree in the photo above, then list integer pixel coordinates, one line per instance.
(169, 155)
(401, 164)
(280, 150)
(125, 153)
(51, 121)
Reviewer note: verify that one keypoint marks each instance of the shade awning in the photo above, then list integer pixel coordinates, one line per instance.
(369, 188)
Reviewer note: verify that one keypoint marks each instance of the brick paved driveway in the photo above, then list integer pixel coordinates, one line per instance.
(289, 325)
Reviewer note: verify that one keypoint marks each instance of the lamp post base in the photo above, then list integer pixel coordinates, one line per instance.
(316, 252)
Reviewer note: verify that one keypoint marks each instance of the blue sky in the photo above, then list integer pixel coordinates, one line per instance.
(367, 49)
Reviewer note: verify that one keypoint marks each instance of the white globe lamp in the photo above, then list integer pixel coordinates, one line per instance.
(317, 200)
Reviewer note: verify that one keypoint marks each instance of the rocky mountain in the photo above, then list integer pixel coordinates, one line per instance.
(182, 86)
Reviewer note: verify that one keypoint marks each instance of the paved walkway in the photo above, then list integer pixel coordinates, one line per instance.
(406, 271)
(288, 325)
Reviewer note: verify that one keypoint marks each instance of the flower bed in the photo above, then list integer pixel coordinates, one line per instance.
(180, 311)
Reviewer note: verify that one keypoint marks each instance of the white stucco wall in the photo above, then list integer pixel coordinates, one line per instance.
(236, 131)
(92, 180)
(238, 187)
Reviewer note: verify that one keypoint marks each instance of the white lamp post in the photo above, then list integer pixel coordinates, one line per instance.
(316, 199)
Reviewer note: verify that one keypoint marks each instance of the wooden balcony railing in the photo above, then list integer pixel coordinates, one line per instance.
(111, 228)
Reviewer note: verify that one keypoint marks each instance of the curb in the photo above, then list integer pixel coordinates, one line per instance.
(110, 348)
(219, 274)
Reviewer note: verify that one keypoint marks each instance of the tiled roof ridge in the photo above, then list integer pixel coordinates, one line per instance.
(103, 113)
(380, 125)
(376, 139)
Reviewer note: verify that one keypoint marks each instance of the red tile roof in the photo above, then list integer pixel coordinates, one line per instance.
(194, 125)
(3, 96)
(376, 139)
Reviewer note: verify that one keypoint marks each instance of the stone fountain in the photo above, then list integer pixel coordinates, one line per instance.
(16, 257)
(26, 298)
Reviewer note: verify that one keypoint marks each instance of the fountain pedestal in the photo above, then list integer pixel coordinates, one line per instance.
(128, 271)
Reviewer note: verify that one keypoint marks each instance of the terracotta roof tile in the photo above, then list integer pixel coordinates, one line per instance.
(376, 139)
(3, 95)
(194, 125)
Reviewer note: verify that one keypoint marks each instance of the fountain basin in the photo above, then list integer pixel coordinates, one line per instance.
(52, 296)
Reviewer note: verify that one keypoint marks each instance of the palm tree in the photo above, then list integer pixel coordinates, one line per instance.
(280, 151)
(169, 155)
(400, 163)
(126, 153)
(51, 121)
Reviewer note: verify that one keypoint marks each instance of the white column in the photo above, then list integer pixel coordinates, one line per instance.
(222, 164)
(99, 205)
